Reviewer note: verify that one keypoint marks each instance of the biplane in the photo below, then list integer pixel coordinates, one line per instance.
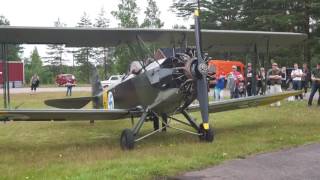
(153, 91)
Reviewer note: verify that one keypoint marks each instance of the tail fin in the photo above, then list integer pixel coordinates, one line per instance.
(97, 89)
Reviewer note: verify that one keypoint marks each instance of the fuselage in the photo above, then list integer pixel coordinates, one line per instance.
(158, 87)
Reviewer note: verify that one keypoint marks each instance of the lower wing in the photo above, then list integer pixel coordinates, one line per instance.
(114, 114)
(247, 102)
(66, 114)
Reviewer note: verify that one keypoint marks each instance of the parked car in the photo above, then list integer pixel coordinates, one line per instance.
(114, 79)
(62, 79)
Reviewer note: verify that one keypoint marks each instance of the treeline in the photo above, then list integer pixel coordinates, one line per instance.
(108, 60)
(301, 16)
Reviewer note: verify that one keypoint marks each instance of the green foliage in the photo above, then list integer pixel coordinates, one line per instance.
(102, 55)
(260, 15)
(84, 54)
(55, 53)
(127, 14)
(152, 16)
(34, 66)
(14, 50)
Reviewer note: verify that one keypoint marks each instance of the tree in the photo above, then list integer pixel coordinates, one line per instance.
(276, 15)
(152, 16)
(55, 53)
(215, 14)
(36, 62)
(13, 49)
(101, 54)
(84, 54)
(127, 15)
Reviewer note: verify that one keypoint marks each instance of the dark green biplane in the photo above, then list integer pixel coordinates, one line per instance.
(154, 91)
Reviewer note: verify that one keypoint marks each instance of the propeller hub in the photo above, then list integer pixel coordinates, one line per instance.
(203, 69)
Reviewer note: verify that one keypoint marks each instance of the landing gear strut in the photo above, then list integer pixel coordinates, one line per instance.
(130, 136)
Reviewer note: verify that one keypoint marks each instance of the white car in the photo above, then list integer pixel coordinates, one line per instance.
(114, 79)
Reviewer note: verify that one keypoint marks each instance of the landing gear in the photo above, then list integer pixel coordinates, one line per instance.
(127, 139)
(130, 136)
(206, 135)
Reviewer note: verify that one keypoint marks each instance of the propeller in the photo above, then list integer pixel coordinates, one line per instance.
(202, 69)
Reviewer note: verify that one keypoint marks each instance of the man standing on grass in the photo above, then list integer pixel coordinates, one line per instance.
(315, 77)
(274, 77)
(296, 75)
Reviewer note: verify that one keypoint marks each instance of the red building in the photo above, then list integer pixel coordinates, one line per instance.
(16, 73)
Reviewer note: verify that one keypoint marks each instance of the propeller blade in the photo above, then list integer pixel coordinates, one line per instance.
(202, 96)
(202, 91)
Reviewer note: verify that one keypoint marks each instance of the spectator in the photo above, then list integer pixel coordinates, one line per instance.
(242, 88)
(315, 77)
(274, 77)
(261, 82)
(69, 86)
(306, 76)
(212, 83)
(218, 90)
(296, 75)
(234, 79)
(249, 80)
(34, 82)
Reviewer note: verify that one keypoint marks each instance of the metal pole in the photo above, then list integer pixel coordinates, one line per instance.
(254, 67)
(4, 76)
(7, 76)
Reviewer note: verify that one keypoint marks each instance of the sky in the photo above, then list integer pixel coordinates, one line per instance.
(45, 13)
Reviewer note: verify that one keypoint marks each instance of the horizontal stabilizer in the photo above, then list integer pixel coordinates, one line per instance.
(69, 103)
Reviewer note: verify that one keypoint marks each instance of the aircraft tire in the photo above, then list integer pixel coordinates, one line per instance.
(206, 135)
(127, 139)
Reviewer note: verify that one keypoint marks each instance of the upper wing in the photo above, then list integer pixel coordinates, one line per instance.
(213, 40)
(65, 114)
(247, 102)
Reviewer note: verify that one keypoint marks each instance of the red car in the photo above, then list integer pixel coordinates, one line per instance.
(62, 79)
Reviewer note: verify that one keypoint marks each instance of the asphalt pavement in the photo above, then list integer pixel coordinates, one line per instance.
(291, 164)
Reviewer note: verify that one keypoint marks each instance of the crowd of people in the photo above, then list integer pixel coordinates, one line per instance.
(275, 80)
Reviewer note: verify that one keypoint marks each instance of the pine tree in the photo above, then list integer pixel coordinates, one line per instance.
(84, 54)
(101, 54)
(13, 50)
(215, 14)
(127, 15)
(55, 53)
(152, 16)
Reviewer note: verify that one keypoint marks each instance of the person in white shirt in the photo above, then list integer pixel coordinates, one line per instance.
(296, 76)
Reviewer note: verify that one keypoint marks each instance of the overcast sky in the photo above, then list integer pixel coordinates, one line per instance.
(45, 12)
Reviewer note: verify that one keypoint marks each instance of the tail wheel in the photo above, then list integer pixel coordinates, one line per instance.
(127, 139)
(206, 134)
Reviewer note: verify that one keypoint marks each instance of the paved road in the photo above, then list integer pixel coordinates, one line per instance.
(294, 164)
(49, 89)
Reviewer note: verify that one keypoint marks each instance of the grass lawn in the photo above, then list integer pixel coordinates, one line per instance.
(79, 150)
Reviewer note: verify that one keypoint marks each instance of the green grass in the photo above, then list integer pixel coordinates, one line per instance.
(79, 150)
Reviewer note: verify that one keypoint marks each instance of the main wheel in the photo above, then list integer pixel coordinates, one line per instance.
(127, 139)
(206, 134)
